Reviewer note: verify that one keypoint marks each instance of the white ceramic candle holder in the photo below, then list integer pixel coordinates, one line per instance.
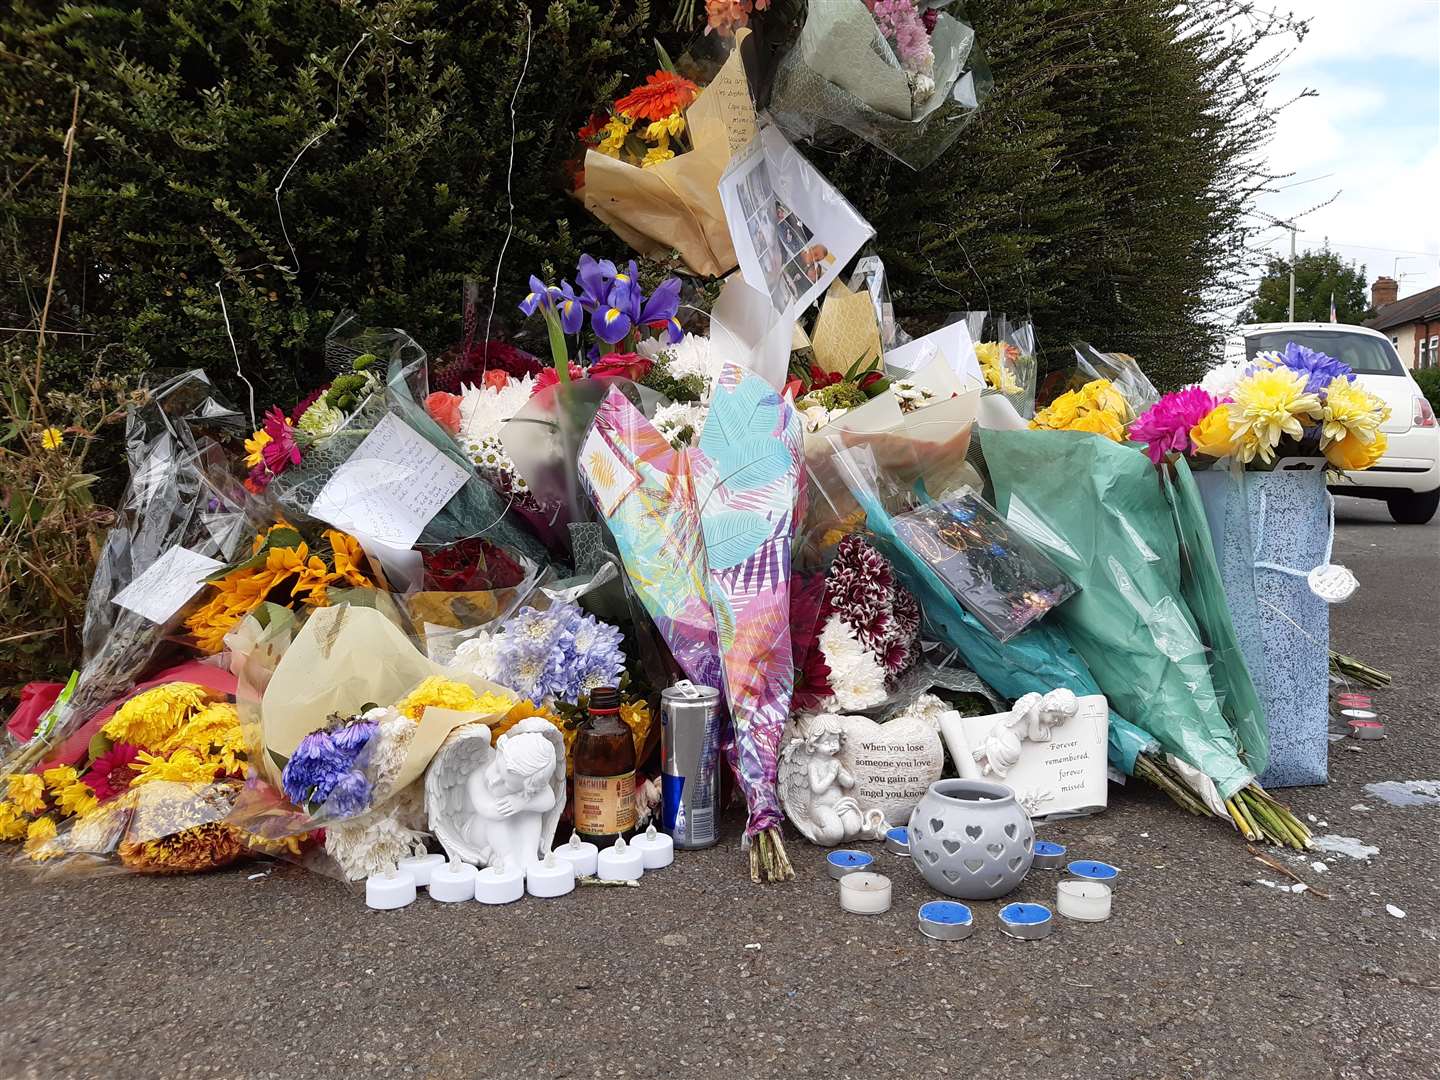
(580, 854)
(865, 894)
(421, 867)
(452, 882)
(620, 863)
(656, 849)
(497, 885)
(1085, 901)
(553, 877)
(390, 890)
(843, 862)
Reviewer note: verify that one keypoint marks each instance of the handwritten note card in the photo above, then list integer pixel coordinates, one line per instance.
(391, 486)
(163, 588)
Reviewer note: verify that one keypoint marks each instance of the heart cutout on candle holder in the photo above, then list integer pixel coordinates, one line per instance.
(936, 825)
(974, 832)
(951, 846)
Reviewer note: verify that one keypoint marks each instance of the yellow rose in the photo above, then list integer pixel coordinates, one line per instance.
(1352, 455)
(1212, 436)
(1100, 422)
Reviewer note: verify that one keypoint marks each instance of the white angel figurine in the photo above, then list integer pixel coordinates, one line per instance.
(509, 797)
(815, 787)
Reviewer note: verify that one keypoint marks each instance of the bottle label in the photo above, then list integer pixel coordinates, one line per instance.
(604, 804)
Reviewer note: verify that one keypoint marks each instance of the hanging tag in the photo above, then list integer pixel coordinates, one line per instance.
(1332, 582)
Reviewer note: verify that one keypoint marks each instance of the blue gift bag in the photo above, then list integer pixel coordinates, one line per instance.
(1270, 529)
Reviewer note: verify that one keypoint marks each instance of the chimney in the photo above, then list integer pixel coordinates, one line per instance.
(1383, 292)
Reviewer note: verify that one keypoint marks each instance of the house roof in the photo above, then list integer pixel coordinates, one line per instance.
(1422, 307)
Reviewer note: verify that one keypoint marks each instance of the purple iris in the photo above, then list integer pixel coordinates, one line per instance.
(1319, 370)
(572, 309)
(541, 297)
(613, 320)
(660, 311)
(595, 279)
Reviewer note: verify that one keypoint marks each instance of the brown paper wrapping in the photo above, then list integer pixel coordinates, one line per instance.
(675, 205)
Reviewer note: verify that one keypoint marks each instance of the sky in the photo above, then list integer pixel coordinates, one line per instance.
(1370, 136)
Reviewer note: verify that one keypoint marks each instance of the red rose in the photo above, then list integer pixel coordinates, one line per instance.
(870, 378)
(549, 377)
(620, 365)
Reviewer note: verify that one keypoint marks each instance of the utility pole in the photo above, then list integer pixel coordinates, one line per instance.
(1292, 273)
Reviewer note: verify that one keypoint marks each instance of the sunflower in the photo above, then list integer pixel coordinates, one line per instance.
(349, 559)
(663, 93)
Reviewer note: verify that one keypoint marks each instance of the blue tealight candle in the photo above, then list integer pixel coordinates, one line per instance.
(1090, 870)
(1026, 921)
(1048, 855)
(897, 840)
(847, 862)
(945, 920)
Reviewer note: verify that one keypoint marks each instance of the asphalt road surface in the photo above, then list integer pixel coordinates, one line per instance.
(1201, 972)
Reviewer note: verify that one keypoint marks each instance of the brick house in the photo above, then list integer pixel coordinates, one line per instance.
(1411, 324)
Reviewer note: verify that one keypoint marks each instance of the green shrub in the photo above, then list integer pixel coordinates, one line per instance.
(1101, 190)
(1428, 379)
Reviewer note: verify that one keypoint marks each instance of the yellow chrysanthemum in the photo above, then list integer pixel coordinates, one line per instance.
(26, 791)
(1351, 412)
(1212, 436)
(213, 733)
(182, 767)
(668, 128)
(445, 693)
(1352, 454)
(12, 822)
(59, 778)
(656, 154)
(615, 133)
(76, 798)
(255, 448)
(38, 837)
(1268, 406)
(148, 719)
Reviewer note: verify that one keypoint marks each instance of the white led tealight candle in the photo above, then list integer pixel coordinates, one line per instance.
(580, 854)
(656, 849)
(620, 863)
(553, 877)
(498, 885)
(390, 890)
(865, 894)
(422, 866)
(452, 882)
(1085, 901)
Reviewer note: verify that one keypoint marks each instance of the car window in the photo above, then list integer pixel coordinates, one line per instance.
(1364, 353)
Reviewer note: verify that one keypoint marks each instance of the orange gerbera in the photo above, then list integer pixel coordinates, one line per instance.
(663, 93)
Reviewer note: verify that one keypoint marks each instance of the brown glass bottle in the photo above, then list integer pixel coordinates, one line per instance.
(604, 771)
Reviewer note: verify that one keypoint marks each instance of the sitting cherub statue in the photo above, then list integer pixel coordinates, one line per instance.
(815, 787)
(508, 798)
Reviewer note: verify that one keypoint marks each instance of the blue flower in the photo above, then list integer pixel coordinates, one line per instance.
(1318, 368)
(594, 279)
(350, 795)
(614, 319)
(314, 769)
(572, 310)
(660, 311)
(540, 297)
(352, 737)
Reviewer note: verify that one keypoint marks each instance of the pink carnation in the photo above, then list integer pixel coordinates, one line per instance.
(1165, 428)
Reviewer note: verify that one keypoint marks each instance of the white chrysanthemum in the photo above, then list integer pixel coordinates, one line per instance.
(856, 678)
(691, 355)
(480, 656)
(484, 409)
(1221, 381)
(392, 745)
(320, 419)
(373, 843)
(680, 422)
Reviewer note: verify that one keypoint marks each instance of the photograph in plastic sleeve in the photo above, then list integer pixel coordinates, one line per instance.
(793, 232)
(1002, 579)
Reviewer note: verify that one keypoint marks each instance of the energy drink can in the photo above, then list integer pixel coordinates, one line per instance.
(690, 764)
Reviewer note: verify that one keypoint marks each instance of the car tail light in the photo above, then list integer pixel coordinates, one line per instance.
(1424, 414)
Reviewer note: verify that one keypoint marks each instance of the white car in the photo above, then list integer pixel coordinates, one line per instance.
(1408, 476)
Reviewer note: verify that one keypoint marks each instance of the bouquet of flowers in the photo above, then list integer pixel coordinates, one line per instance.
(1097, 407)
(865, 636)
(900, 74)
(1284, 404)
(283, 568)
(654, 159)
